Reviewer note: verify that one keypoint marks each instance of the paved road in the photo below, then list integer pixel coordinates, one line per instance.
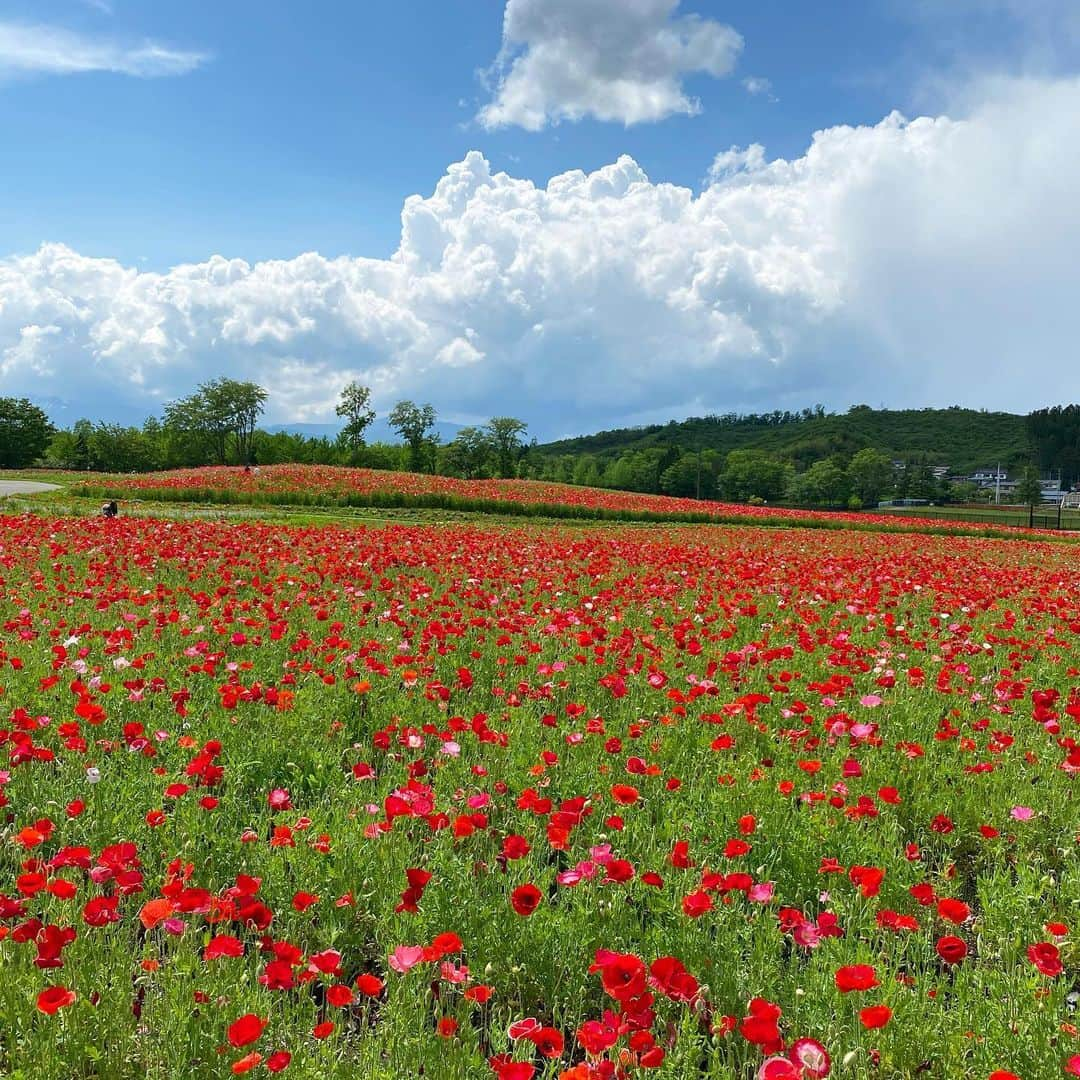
(23, 487)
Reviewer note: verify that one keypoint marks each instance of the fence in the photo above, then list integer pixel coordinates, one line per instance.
(1046, 516)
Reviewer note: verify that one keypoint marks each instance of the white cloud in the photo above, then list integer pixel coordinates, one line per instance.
(459, 353)
(756, 85)
(621, 60)
(928, 262)
(53, 50)
(738, 159)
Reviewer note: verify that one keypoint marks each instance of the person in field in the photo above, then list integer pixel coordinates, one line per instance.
(110, 510)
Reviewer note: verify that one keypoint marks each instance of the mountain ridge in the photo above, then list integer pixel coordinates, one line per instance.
(962, 439)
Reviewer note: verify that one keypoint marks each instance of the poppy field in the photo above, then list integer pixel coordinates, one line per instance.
(536, 803)
(329, 485)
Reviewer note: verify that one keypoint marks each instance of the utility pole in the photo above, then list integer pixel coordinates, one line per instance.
(997, 484)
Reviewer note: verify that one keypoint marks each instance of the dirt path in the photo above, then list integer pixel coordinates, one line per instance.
(23, 487)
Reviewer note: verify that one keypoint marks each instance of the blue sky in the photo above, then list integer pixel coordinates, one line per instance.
(307, 125)
(138, 136)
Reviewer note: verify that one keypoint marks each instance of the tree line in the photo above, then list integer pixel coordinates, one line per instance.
(218, 423)
(839, 481)
(1055, 434)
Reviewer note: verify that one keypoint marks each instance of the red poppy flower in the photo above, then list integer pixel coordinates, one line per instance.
(855, 977)
(247, 1063)
(339, 996)
(245, 1030)
(223, 945)
(954, 911)
(515, 847)
(951, 949)
(445, 944)
(875, 1016)
(697, 903)
(525, 899)
(514, 1070)
(1046, 957)
(369, 985)
(622, 974)
(53, 998)
(547, 1040)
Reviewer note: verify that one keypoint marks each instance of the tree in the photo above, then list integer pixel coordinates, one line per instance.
(83, 430)
(25, 432)
(922, 484)
(689, 477)
(963, 491)
(1055, 435)
(219, 410)
(505, 434)
(823, 484)
(871, 475)
(414, 423)
(752, 474)
(355, 407)
(240, 404)
(693, 476)
(586, 471)
(1029, 487)
(467, 455)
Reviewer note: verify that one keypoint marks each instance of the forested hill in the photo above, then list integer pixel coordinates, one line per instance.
(963, 439)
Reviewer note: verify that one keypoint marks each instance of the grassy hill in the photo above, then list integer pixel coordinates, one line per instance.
(963, 439)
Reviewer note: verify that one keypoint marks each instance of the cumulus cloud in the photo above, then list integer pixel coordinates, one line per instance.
(621, 60)
(912, 263)
(53, 50)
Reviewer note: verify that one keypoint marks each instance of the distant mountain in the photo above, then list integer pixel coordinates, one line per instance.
(309, 431)
(380, 431)
(963, 439)
(64, 412)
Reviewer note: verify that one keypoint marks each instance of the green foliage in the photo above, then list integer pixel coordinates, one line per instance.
(823, 484)
(220, 416)
(24, 433)
(355, 406)
(504, 433)
(108, 447)
(916, 481)
(1029, 488)
(963, 491)
(693, 476)
(414, 423)
(752, 473)
(870, 474)
(964, 439)
(467, 455)
(1055, 435)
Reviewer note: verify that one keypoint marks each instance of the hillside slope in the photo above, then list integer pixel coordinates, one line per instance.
(963, 439)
